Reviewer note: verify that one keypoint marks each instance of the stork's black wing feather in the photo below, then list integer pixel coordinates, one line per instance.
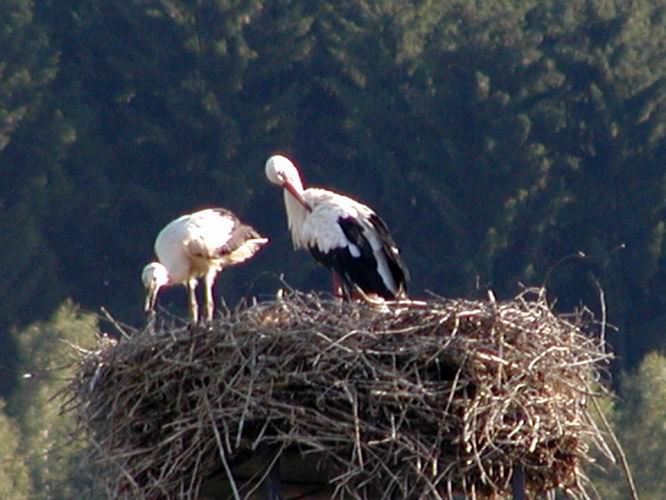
(360, 270)
(397, 267)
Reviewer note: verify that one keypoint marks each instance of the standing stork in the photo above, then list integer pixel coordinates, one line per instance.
(342, 234)
(198, 245)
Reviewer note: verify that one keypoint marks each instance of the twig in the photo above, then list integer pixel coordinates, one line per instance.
(220, 448)
(427, 398)
(618, 448)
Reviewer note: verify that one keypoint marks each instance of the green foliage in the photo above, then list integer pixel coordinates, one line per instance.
(495, 138)
(28, 66)
(641, 423)
(638, 421)
(14, 475)
(44, 454)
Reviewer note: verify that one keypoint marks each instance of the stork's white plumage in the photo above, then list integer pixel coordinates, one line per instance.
(198, 245)
(344, 235)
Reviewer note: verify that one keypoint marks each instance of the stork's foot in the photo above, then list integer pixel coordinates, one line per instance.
(369, 298)
(193, 327)
(206, 323)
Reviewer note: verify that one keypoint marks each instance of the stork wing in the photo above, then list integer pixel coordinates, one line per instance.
(230, 245)
(382, 268)
(391, 250)
(242, 244)
(372, 235)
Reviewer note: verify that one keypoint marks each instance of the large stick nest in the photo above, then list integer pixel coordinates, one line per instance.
(422, 399)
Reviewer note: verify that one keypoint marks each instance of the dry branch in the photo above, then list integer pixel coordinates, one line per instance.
(406, 400)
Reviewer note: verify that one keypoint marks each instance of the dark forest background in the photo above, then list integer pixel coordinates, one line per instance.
(506, 143)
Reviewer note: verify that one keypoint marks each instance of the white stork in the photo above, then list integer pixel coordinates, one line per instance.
(198, 245)
(342, 234)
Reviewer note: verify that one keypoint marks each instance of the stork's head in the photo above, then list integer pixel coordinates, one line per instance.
(281, 171)
(154, 276)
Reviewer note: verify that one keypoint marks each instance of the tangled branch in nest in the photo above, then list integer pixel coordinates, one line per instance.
(408, 400)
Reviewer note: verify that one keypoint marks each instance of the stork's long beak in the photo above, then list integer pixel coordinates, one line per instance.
(297, 195)
(151, 298)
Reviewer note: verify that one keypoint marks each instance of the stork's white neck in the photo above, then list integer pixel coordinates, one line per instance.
(296, 213)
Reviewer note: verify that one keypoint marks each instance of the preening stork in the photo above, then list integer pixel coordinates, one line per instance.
(198, 245)
(342, 234)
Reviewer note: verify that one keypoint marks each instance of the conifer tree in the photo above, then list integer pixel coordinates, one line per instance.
(14, 476)
(637, 416)
(495, 138)
(28, 65)
(47, 444)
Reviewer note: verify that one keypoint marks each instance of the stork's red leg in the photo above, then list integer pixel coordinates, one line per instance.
(338, 290)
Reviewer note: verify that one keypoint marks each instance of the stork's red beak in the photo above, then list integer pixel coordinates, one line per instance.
(297, 195)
